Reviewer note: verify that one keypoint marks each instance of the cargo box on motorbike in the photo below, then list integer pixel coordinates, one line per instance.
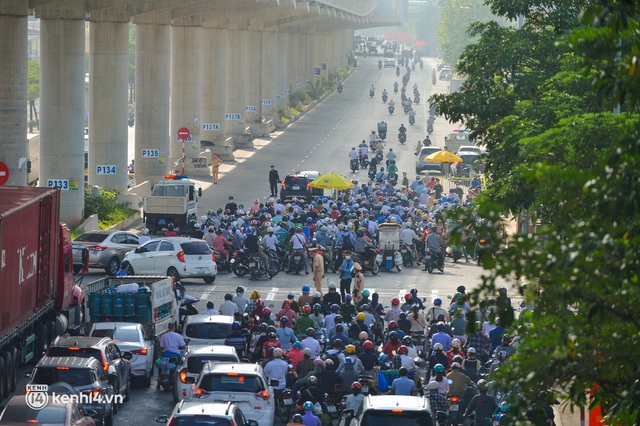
(148, 300)
(389, 236)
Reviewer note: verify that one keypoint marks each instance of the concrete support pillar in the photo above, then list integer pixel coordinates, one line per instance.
(253, 84)
(301, 49)
(108, 104)
(186, 89)
(13, 94)
(270, 79)
(153, 57)
(236, 82)
(294, 62)
(283, 73)
(62, 82)
(214, 93)
(318, 56)
(309, 55)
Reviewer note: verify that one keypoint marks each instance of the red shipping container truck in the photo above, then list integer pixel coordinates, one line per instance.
(38, 296)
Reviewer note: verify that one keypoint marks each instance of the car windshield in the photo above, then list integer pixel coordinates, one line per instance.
(208, 331)
(428, 151)
(407, 418)
(75, 352)
(118, 334)
(468, 158)
(195, 247)
(73, 376)
(231, 382)
(24, 414)
(199, 420)
(196, 362)
(296, 181)
(169, 190)
(91, 238)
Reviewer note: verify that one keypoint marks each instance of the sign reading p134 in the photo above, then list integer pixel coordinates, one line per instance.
(58, 183)
(106, 170)
(150, 153)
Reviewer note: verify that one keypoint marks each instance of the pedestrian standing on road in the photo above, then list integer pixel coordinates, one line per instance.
(215, 166)
(274, 180)
(318, 270)
(145, 237)
(345, 276)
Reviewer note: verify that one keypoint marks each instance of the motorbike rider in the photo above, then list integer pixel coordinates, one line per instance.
(170, 232)
(437, 400)
(393, 314)
(372, 89)
(236, 339)
(436, 310)
(364, 148)
(392, 104)
(434, 243)
(171, 344)
(317, 316)
(395, 86)
(355, 398)
(482, 405)
(196, 232)
(402, 129)
(332, 298)
(276, 371)
(417, 319)
(299, 243)
(379, 63)
(409, 236)
(270, 241)
(384, 93)
(252, 244)
(360, 245)
(391, 156)
(381, 176)
(311, 392)
(412, 113)
(458, 380)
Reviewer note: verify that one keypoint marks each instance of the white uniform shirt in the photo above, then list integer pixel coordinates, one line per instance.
(228, 308)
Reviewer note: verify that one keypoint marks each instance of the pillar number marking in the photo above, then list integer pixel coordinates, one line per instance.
(106, 170)
(299, 85)
(58, 183)
(266, 102)
(210, 126)
(150, 153)
(232, 117)
(278, 97)
(250, 108)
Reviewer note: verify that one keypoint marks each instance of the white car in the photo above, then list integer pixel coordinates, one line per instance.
(197, 414)
(466, 149)
(205, 329)
(131, 337)
(244, 385)
(177, 257)
(389, 63)
(194, 360)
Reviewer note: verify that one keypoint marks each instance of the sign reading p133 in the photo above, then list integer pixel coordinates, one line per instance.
(58, 183)
(150, 153)
(250, 108)
(232, 117)
(106, 170)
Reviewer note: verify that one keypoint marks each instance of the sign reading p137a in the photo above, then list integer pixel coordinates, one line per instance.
(58, 183)
(106, 170)
(150, 153)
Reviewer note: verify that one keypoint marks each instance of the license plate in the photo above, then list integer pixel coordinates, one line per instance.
(232, 261)
(162, 221)
(453, 408)
(389, 258)
(296, 187)
(331, 408)
(404, 250)
(365, 389)
(288, 401)
(296, 258)
(202, 270)
(252, 264)
(427, 257)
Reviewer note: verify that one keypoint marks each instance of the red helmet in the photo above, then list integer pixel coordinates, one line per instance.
(259, 302)
(408, 296)
(306, 309)
(368, 344)
(266, 311)
(356, 385)
(393, 325)
(395, 302)
(402, 350)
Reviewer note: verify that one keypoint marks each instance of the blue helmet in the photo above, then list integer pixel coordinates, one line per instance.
(249, 231)
(308, 406)
(235, 325)
(437, 301)
(306, 289)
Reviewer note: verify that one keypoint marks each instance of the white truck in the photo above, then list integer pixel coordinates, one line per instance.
(173, 200)
(453, 141)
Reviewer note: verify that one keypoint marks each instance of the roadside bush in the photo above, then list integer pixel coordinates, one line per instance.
(106, 206)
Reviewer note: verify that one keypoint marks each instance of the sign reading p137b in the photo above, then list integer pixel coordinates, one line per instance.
(106, 170)
(150, 153)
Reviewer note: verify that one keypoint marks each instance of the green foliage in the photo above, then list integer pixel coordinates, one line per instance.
(33, 80)
(106, 206)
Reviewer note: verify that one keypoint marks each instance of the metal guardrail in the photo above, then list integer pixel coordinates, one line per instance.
(360, 8)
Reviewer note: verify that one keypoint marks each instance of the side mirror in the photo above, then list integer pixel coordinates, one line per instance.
(252, 422)
(189, 380)
(199, 192)
(162, 419)
(127, 355)
(90, 413)
(152, 337)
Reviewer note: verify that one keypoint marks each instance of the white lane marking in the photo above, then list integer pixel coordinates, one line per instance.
(207, 292)
(272, 294)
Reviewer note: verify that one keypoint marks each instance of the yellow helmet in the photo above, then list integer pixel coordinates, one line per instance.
(360, 316)
(351, 349)
(255, 294)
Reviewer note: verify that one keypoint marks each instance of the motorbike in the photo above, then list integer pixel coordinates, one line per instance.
(422, 343)
(407, 255)
(372, 93)
(402, 137)
(412, 120)
(429, 128)
(298, 262)
(354, 165)
(370, 260)
(407, 107)
(284, 405)
(371, 174)
(223, 264)
(239, 263)
(384, 98)
(433, 81)
(167, 366)
(413, 66)
(392, 259)
(383, 135)
(421, 64)
(392, 179)
(339, 88)
(454, 253)
(395, 89)
(416, 100)
(431, 262)
(364, 161)
(255, 268)
(379, 65)
(391, 109)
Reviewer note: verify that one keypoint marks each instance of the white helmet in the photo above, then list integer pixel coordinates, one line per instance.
(203, 218)
(277, 353)
(269, 229)
(438, 346)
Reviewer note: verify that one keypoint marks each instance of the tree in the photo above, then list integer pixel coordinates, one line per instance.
(33, 92)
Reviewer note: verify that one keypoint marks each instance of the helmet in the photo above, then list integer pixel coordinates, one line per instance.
(363, 335)
(433, 386)
(228, 296)
(350, 349)
(313, 380)
(402, 350)
(271, 335)
(125, 264)
(438, 347)
(170, 227)
(306, 352)
(249, 231)
(266, 311)
(306, 309)
(317, 307)
(415, 306)
(483, 385)
(255, 294)
(335, 308)
(284, 320)
(348, 298)
(235, 325)
(277, 353)
(332, 285)
(361, 316)
(455, 365)
(471, 350)
(263, 327)
(328, 363)
(271, 329)
(269, 229)
(439, 368)
(318, 362)
(259, 302)
(368, 344)
(309, 220)
(356, 385)
(365, 293)
(297, 345)
(311, 332)
(366, 307)
(393, 325)
(408, 296)
(458, 359)
(360, 233)
(297, 418)
(338, 319)
(455, 343)
(240, 289)
(407, 340)
(308, 406)
(196, 226)
(306, 289)
(502, 356)
(437, 301)
(395, 301)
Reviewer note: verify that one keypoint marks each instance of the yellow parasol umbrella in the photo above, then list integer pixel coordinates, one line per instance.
(443, 157)
(331, 181)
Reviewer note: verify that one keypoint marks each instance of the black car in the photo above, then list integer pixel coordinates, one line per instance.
(296, 186)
